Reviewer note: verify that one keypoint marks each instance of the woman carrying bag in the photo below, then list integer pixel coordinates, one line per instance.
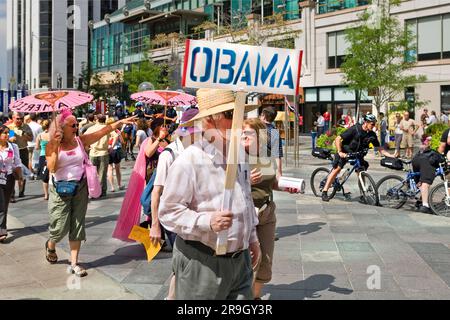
(70, 171)
(10, 169)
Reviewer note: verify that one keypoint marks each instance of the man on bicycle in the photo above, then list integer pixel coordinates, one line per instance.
(355, 139)
(426, 161)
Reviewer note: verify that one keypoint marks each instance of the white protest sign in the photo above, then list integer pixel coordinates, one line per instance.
(241, 68)
(221, 65)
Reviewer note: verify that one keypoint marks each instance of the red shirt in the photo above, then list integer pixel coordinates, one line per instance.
(327, 116)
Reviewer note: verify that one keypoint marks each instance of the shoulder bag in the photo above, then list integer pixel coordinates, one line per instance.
(93, 182)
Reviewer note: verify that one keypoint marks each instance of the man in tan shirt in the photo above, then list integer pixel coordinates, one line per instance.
(409, 128)
(99, 153)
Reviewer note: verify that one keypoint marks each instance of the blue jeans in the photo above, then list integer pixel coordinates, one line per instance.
(313, 139)
(383, 139)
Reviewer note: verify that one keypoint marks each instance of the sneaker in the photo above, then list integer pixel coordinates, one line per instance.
(21, 195)
(418, 204)
(362, 200)
(325, 196)
(424, 209)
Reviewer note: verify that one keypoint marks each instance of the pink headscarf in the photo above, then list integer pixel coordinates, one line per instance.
(130, 213)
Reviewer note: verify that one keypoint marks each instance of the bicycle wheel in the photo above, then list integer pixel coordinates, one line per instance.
(318, 180)
(438, 201)
(391, 192)
(370, 195)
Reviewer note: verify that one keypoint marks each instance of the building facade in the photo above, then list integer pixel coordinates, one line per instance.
(118, 43)
(48, 40)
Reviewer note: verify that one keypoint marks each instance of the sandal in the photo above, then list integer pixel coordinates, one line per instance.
(78, 271)
(50, 255)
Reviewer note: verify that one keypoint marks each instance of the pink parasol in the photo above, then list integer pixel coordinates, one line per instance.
(165, 98)
(52, 101)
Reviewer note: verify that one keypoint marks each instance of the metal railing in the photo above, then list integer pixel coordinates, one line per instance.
(327, 6)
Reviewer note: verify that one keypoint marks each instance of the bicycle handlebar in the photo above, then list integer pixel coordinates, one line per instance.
(353, 155)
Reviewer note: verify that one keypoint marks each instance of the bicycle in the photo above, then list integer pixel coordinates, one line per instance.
(366, 183)
(439, 197)
(393, 191)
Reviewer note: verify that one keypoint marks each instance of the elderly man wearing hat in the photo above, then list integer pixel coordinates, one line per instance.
(191, 207)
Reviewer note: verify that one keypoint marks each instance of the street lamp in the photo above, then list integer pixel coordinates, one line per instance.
(146, 86)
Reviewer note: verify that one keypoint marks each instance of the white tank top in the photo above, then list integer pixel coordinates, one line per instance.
(70, 165)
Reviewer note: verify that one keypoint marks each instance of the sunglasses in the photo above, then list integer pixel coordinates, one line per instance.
(74, 126)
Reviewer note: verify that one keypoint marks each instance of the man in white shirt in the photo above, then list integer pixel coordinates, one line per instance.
(320, 124)
(444, 118)
(191, 207)
(432, 119)
(30, 120)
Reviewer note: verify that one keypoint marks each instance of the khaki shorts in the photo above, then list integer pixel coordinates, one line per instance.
(67, 215)
(407, 141)
(266, 235)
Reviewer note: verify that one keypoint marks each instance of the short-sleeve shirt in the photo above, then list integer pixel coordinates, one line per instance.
(356, 139)
(408, 125)
(274, 144)
(139, 113)
(21, 142)
(444, 139)
(165, 161)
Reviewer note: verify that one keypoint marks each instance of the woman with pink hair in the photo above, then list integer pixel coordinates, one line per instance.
(65, 154)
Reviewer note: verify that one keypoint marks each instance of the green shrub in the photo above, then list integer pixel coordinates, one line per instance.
(436, 131)
(326, 140)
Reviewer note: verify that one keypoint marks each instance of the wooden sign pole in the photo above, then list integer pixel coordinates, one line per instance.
(232, 166)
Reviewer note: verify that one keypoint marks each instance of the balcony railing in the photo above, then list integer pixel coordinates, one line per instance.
(327, 6)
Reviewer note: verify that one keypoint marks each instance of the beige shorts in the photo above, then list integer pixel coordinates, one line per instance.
(407, 141)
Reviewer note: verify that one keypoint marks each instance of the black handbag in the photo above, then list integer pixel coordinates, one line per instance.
(392, 163)
(321, 153)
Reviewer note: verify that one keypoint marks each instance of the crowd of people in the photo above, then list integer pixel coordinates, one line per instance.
(184, 161)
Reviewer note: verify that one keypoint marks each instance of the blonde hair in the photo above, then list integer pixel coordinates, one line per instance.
(261, 133)
(45, 124)
(110, 121)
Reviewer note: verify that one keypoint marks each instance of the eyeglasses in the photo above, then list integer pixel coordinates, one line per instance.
(228, 115)
(249, 133)
(74, 126)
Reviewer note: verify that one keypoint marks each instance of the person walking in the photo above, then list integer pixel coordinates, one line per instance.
(263, 180)
(398, 134)
(10, 169)
(65, 161)
(185, 138)
(444, 118)
(41, 145)
(33, 157)
(320, 124)
(384, 132)
(22, 135)
(327, 118)
(115, 156)
(191, 207)
(432, 119)
(142, 133)
(274, 142)
(99, 153)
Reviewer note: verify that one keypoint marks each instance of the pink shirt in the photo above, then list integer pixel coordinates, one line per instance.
(70, 165)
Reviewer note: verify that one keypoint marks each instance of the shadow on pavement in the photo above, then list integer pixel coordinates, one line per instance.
(125, 255)
(309, 288)
(26, 231)
(284, 232)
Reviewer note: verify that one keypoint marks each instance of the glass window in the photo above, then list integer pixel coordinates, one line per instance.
(446, 37)
(311, 95)
(331, 50)
(344, 94)
(429, 38)
(325, 94)
(445, 99)
(411, 54)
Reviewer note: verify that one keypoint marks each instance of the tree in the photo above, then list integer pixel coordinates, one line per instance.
(147, 70)
(376, 55)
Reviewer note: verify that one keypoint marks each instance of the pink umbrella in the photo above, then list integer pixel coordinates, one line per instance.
(52, 101)
(165, 98)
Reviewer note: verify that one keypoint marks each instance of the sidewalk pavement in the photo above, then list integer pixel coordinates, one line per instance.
(330, 250)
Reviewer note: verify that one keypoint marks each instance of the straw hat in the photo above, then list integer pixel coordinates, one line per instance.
(214, 101)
